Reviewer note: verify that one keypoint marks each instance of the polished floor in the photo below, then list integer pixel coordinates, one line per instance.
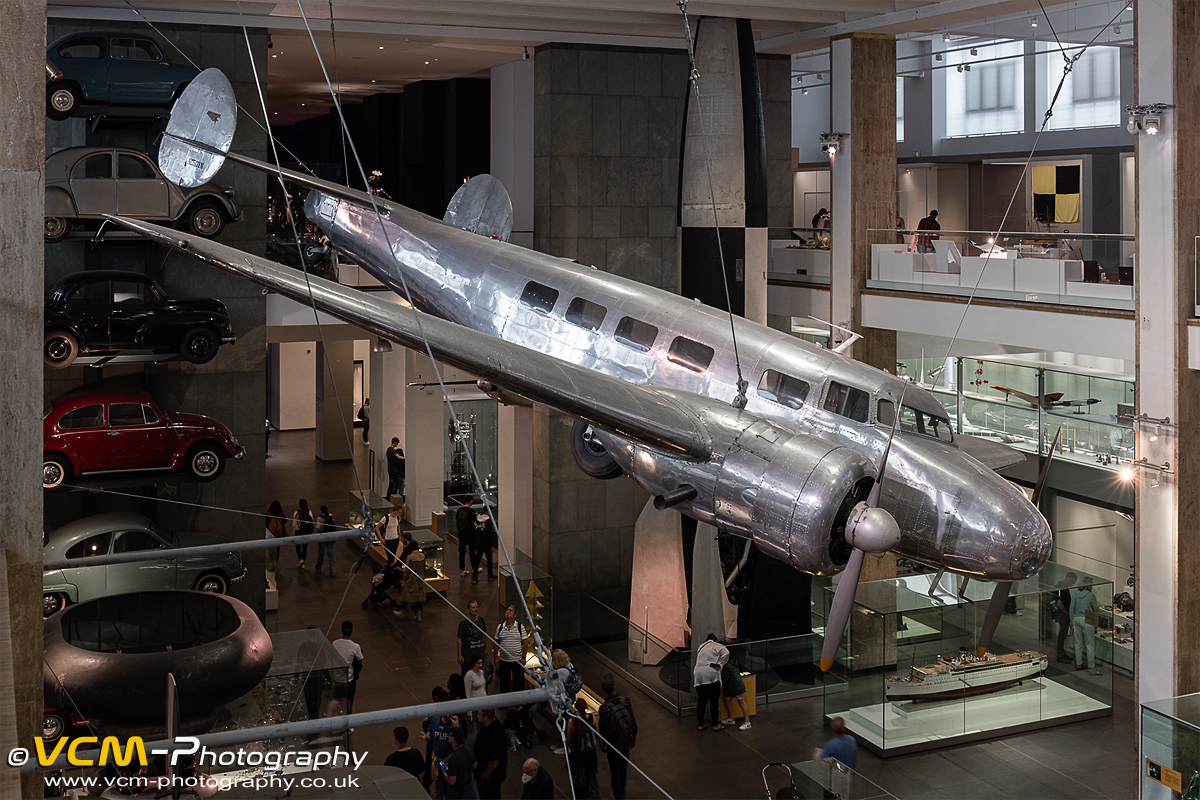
(404, 660)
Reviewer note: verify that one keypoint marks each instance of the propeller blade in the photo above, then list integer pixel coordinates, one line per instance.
(1041, 481)
(839, 613)
(992, 618)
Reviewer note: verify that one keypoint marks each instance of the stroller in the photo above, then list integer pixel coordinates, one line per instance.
(385, 579)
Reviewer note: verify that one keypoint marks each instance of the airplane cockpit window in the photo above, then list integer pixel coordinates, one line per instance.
(585, 313)
(885, 413)
(847, 401)
(783, 389)
(925, 423)
(538, 297)
(635, 333)
(690, 354)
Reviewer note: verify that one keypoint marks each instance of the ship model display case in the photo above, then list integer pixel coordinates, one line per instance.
(912, 680)
(1170, 749)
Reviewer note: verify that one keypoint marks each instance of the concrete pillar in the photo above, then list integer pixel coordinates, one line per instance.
(1168, 216)
(388, 397)
(334, 400)
(658, 597)
(22, 132)
(512, 142)
(515, 475)
(425, 434)
(863, 105)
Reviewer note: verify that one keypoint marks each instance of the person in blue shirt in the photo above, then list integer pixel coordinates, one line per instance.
(842, 746)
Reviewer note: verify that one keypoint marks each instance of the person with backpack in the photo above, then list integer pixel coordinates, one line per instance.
(326, 524)
(302, 525)
(618, 727)
(387, 530)
(464, 529)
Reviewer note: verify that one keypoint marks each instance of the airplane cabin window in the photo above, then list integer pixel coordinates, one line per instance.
(635, 333)
(847, 401)
(690, 354)
(538, 297)
(885, 413)
(783, 389)
(585, 313)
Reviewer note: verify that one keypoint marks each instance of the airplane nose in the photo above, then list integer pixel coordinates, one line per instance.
(1034, 541)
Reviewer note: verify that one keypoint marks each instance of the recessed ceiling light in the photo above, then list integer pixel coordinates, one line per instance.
(380, 47)
(426, 62)
(304, 104)
(372, 81)
(273, 55)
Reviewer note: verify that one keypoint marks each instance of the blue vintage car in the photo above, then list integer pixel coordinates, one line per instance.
(111, 68)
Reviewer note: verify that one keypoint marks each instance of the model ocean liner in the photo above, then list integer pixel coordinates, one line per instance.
(965, 675)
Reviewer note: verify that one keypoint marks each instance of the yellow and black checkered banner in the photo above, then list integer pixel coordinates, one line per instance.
(1056, 194)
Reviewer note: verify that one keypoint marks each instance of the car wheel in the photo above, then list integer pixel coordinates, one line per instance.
(56, 470)
(61, 100)
(199, 345)
(212, 583)
(205, 462)
(54, 725)
(56, 228)
(53, 603)
(59, 349)
(205, 219)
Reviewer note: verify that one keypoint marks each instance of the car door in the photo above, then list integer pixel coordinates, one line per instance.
(85, 61)
(137, 437)
(89, 305)
(83, 430)
(141, 190)
(93, 185)
(137, 71)
(90, 581)
(139, 575)
(132, 302)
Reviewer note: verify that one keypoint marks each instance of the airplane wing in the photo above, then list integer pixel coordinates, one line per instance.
(992, 454)
(655, 416)
(1053, 397)
(1028, 398)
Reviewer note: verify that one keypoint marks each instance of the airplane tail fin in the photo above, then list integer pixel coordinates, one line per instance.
(200, 130)
(481, 205)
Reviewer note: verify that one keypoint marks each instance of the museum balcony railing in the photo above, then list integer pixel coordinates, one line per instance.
(1093, 407)
(776, 669)
(1073, 269)
(799, 255)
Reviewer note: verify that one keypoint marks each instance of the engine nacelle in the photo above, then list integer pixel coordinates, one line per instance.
(791, 493)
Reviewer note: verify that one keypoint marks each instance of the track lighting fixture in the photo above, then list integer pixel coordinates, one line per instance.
(1145, 119)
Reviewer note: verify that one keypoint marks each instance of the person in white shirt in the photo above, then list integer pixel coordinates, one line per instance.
(349, 650)
(711, 656)
(475, 681)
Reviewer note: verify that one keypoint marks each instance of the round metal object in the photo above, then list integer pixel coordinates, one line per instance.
(206, 113)
(110, 657)
(59, 349)
(55, 228)
(206, 221)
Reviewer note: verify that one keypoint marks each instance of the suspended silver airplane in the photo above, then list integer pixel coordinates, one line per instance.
(795, 463)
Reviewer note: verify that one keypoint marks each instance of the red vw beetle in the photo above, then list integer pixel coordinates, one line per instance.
(91, 432)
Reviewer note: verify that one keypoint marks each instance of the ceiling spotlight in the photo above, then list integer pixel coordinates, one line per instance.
(830, 143)
(974, 51)
(1133, 125)
(1150, 124)
(1126, 473)
(938, 57)
(805, 91)
(1117, 30)
(1032, 22)
(380, 47)
(427, 62)
(382, 346)
(945, 37)
(964, 67)
(1145, 119)
(820, 76)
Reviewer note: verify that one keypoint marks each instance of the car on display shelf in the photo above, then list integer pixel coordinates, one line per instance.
(88, 182)
(101, 433)
(110, 68)
(110, 312)
(125, 532)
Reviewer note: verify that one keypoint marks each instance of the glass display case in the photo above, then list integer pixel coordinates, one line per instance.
(912, 681)
(473, 430)
(306, 673)
(1170, 764)
(537, 587)
(434, 549)
(380, 505)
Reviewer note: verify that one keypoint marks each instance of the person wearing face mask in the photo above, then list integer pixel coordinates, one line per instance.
(538, 783)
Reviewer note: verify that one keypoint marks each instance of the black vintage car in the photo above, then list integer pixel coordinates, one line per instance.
(109, 313)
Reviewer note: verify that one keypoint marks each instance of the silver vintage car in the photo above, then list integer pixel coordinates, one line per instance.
(125, 532)
(89, 182)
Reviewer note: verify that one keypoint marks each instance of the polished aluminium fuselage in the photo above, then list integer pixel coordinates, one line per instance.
(986, 526)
